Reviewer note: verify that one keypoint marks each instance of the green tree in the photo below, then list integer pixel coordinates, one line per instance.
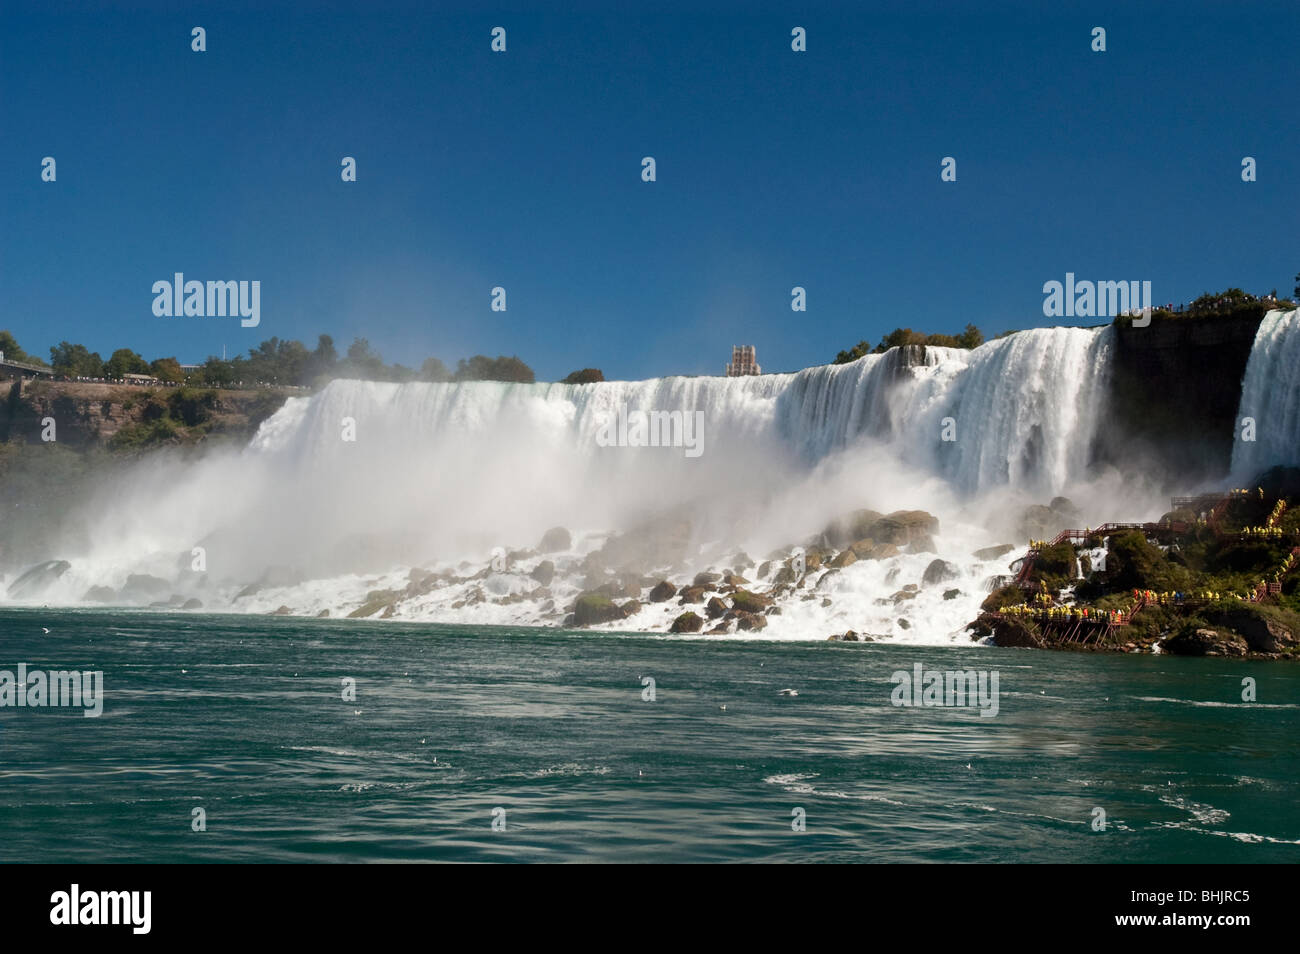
(323, 361)
(364, 362)
(75, 361)
(12, 352)
(434, 370)
(482, 368)
(857, 351)
(124, 361)
(585, 376)
(167, 369)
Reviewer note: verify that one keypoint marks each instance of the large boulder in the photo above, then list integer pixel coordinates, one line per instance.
(687, 623)
(592, 608)
(902, 527)
(747, 602)
(1205, 642)
(715, 608)
(844, 558)
(662, 592)
(1263, 633)
(544, 572)
(939, 571)
(555, 540)
(692, 594)
(992, 553)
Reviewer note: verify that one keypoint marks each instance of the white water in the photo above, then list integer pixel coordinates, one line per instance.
(442, 473)
(1270, 395)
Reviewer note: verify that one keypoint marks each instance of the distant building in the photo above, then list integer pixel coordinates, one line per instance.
(130, 378)
(744, 361)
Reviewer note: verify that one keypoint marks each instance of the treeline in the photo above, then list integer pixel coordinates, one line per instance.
(273, 362)
(1230, 303)
(972, 337)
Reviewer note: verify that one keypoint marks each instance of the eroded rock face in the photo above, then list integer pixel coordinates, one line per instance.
(992, 553)
(1205, 642)
(1261, 633)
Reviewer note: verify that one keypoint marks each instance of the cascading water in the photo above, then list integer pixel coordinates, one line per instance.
(340, 493)
(1270, 398)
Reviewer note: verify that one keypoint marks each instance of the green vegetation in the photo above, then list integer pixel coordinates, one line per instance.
(181, 415)
(585, 376)
(1230, 303)
(273, 363)
(972, 337)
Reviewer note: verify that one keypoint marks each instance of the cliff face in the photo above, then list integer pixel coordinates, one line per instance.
(1173, 396)
(89, 415)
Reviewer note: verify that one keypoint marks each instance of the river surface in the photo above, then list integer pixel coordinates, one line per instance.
(548, 736)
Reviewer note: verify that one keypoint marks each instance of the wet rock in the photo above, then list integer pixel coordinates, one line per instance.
(938, 572)
(630, 608)
(544, 572)
(747, 602)
(687, 623)
(555, 540)
(100, 594)
(692, 594)
(282, 611)
(662, 592)
(992, 553)
(323, 614)
(591, 608)
(751, 622)
(951, 594)
(192, 604)
(142, 588)
(715, 608)
(706, 578)
(1205, 642)
(844, 558)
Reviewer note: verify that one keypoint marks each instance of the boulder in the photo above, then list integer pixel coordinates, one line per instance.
(1205, 642)
(715, 608)
(555, 540)
(100, 594)
(687, 623)
(592, 608)
(951, 594)
(706, 578)
(692, 594)
(630, 608)
(746, 602)
(992, 553)
(844, 558)
(881, 551)
(751, 622)
(662, 591)
(544, 572)
(143, 588)
(192, 604)
(939, 571)
(1262, 633)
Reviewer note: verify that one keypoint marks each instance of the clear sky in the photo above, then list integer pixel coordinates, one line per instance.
(523, 169)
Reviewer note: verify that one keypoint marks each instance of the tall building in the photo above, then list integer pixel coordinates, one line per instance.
(744, 361)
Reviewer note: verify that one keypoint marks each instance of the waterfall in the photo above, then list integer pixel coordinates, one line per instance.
(1270, 397)
(366, 477)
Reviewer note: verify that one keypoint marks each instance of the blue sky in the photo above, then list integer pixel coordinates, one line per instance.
(522, 169)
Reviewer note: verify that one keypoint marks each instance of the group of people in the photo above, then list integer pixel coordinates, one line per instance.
(1066, 614)
(1262, 533)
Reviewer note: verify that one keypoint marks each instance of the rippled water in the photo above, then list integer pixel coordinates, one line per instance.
(243, 716)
